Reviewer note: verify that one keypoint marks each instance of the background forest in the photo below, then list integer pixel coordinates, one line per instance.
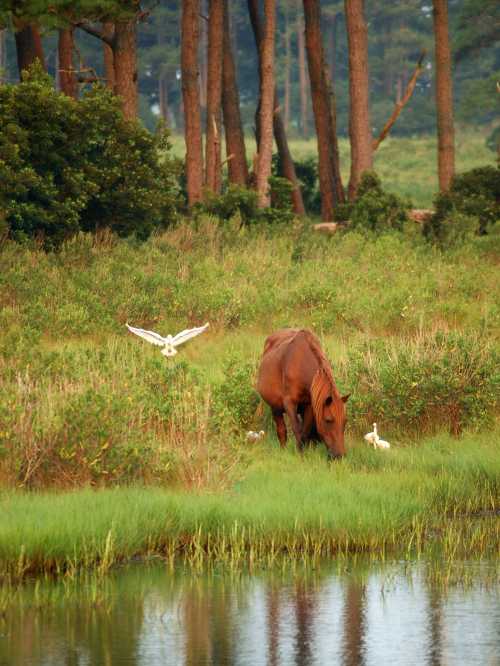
(397, 34)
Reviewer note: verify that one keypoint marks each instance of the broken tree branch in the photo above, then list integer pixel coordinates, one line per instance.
(95, 32)
(402, 103)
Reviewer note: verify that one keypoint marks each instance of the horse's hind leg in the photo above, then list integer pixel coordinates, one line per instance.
(279, 422)
(291, 410)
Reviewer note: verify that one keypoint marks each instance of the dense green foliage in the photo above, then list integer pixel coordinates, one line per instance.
(68, 166)
(472, 205)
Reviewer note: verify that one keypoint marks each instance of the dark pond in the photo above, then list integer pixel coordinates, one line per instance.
(343, 613)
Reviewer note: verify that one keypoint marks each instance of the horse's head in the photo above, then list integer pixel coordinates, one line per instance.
(330, 424)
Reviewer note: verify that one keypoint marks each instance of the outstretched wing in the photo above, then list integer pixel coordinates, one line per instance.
(189, 333)
(150, 336)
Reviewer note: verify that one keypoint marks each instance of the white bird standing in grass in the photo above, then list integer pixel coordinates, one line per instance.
(255, 436)
(170, 342)
(373, 439)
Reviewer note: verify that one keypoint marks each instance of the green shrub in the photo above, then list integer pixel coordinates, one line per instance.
(472, 205)
(67, 166)
(376, 209)
(235, 400)
(236, 200)
(445, 379)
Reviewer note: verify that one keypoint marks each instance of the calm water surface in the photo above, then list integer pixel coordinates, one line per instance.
(349, 613)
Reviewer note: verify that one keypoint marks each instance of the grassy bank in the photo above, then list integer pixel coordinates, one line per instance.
(392, 502)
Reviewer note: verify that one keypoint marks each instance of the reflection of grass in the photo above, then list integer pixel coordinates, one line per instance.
(407, 166)
(284, 505)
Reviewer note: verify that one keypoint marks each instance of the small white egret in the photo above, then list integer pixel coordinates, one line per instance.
(255, 436)
(170, 342)
(373, 439)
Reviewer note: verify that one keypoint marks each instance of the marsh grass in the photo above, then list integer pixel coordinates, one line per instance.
(284, 505)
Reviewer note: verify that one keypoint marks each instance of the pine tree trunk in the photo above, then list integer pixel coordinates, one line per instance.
(288, 61)
(3, 56)
(191, 99)
(304, 119)
(125, 65)
(286, 161)
(28, 46)
(67, 78)
(444, 96)
(163, 97)
(203, 53)
(324, 113)
(214, 94)
(359, 111)
(266, 105)
(235, 140)
(108, 30)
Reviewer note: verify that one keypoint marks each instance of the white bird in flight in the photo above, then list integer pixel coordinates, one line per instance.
(170, 342)
(373, 439)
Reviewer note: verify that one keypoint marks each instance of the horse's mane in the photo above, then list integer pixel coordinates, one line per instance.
(323, 383)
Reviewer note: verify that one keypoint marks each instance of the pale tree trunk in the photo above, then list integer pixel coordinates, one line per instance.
(286, 161)
(266, 105)
(324, 113)
(359, 110)
(125, 62)
(108, 30)
(191, 100)
(214, 95)
(163, 97)
(235, 141)
(67, 77)
(304, 116)
(444, 96)
(28, 45)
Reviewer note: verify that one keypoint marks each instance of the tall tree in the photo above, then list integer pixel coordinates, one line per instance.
(359, 111)
(235, 140)
(304, 116)
(191, 99)
(324, 114)
(267, 90)
(108, 30)
(214, 95)
(28, 44)
(444, 98)
(67, 74)
(285, 158)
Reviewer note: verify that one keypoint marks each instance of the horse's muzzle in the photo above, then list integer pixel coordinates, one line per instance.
(334, 456)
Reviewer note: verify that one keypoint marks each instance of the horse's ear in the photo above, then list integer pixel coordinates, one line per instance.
(345, 398)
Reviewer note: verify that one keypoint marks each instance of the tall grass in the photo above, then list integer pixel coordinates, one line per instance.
(283, 505)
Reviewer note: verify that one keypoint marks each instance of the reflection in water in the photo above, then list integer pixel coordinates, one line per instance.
(148, 615)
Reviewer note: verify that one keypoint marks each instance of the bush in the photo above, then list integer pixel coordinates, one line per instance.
(235, 400)
(472, 205)
(445, 379)
(67, 166)
(374, 208)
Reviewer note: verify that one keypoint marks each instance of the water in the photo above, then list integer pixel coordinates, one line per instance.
(345, 613)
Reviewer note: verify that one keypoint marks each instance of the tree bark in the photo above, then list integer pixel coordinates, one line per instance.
(235, 140)
(288, 61)
(265, 152)
(286, 161)
(3, 57)
(191, 99)
(28, 46)
(108, 30)
(67, 77)
(359, 111)
(304, 115)
(214, 95)
(125, 66)
(324, 113)
(444, 96)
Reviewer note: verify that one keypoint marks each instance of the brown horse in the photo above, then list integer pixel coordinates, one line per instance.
(295, 377)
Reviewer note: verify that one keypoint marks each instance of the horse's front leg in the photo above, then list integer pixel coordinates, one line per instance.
(279, 422)
(307, 423)
(291, 410)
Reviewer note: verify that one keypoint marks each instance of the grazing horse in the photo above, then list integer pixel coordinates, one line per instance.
(295, 377)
